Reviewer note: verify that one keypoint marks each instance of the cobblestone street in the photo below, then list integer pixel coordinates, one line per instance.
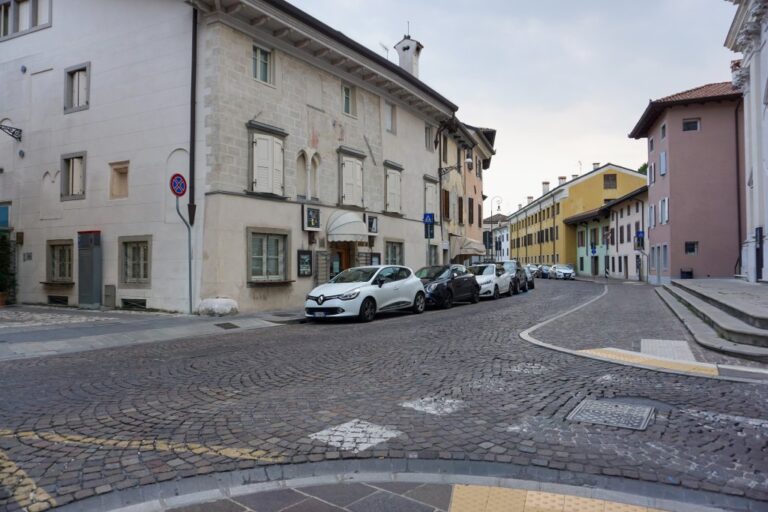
(455, 388)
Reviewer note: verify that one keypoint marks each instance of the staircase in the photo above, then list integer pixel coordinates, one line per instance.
(737, 328)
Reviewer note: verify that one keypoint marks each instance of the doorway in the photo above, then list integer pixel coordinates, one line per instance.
(595, 265)
(626, 268)
(341, 257)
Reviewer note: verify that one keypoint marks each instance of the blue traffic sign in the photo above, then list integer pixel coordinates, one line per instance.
(640, 234)
(429, 218)
(178, 185)
(594, 251)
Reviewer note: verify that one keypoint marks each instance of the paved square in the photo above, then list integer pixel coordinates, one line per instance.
(670, 349)
(434, 405)
(355, 435)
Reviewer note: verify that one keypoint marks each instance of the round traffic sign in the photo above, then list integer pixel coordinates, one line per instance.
(178, 185)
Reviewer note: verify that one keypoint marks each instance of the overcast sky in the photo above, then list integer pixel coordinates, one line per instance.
(562, 81)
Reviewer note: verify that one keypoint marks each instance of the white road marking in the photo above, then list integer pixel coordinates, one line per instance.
(434, 405)
(671, 349)
(356, 435)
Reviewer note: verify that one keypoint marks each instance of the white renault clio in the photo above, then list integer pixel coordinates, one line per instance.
(364, 291)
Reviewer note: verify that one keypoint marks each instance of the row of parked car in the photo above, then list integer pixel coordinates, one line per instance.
(363, 292)
(558, 271)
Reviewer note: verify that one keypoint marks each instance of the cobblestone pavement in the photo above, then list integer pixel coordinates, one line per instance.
(77, 425)
(628, 314)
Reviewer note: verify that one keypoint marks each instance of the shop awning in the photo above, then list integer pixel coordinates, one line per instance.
(346, 227)
(463, 246)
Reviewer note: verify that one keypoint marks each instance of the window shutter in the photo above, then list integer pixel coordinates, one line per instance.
(262, 163)
(349, 180)
(662, 163)
(393, 190)
(82, 88)
(277, 167)
(76, 176)
(24, 14)
(429, 198)
(358, 182)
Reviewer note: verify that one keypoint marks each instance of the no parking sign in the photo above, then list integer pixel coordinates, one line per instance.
(178, 185)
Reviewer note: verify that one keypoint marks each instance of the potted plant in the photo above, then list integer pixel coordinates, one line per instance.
(7, 279)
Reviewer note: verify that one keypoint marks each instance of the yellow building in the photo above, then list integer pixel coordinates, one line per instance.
(537, 233)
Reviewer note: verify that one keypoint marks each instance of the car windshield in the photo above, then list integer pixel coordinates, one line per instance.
(545, 267)
(355, 275)
(431, 273)
(482, 270)
(567, 266)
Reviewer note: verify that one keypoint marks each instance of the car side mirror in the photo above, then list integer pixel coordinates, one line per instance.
(454, 275)
(380, 281)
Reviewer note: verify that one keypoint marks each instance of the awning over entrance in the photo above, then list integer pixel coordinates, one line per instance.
(346, 227)
(463, 246)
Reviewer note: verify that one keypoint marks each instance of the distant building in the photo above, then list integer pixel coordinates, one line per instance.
(746, 35)
(538, 232)
(495, 238)
(695, 172)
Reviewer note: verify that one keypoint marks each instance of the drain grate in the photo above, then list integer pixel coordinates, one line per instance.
(613, 414)
(227, 325)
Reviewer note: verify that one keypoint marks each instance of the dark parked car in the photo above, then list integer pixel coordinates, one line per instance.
(530, 277)
(533, 269)
(544, 271)
(446, 284)
(518, 280)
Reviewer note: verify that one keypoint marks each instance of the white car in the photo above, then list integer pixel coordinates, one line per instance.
(560, 271)
(493, 279)
(363, 291)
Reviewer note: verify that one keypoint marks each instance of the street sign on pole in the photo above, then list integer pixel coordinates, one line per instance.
(178, 185)
(429, 218)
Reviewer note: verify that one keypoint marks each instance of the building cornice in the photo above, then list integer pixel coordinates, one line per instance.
(744, 33)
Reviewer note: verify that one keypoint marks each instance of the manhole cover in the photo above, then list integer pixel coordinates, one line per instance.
(613, 414)
(227, 325)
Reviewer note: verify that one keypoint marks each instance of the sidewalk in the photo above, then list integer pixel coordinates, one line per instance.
(33, 331)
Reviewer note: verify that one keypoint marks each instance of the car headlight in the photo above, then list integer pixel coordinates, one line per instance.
(431, 287)
(352, 294)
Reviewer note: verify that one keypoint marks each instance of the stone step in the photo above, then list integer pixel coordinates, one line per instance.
(752, 314)
(727, 326)
(706, 336)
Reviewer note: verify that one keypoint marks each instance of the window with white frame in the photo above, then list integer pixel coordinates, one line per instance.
(18, 16)
(352, 181)
(78, 88)
(429, 138)
(135, 261)
(390, 117)
(652, 172)
(262, 65)
(651, 216)
(59, 261)
(73, 176)
(664, 211)
(663, 163)
(430, 198)
(691, 125)
(393, 191)
(348, 99)
(267, 258)
(268, 160)
(394, 253)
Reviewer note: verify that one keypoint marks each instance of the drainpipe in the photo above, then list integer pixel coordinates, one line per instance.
(738, 180)
(646, 236)
(191, 206)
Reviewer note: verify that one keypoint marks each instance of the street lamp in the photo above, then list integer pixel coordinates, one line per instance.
(445, 170)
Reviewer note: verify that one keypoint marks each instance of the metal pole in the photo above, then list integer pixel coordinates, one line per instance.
(189, 254)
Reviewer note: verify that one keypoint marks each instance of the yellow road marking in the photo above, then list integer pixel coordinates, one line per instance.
(146, 445)
(23, 489)
(710, 370)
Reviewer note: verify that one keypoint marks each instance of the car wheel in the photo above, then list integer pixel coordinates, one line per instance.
(516, 290)
(496, 293)
(448, 300)
(525, 286)
(367, 310)
(475, 296)
(532, 285)
(419, 303)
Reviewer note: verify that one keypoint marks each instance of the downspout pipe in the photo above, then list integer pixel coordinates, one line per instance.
(191, 206)
(738, 179)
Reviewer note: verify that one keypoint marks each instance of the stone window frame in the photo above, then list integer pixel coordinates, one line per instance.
(401, 243)
(122, 282)
(270, 65)
(390, 166)
(287, 260)
(393, 111)
(64, 196)
(68, 74)
(13, 31)
(115, 168)
(352, 99)
(49, 245)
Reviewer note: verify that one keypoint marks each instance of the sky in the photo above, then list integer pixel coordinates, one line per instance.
(561, 81)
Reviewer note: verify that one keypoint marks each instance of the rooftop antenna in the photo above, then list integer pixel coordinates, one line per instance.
(408, 29)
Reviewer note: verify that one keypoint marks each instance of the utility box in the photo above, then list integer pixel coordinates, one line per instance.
(110, 296)
(89, 269)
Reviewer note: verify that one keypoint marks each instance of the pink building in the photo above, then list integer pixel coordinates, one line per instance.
(695, 182)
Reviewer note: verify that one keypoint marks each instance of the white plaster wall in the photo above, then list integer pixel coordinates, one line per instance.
(139, 53)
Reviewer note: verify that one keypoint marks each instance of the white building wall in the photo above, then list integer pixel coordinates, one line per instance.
(638, 215)
(139, 55)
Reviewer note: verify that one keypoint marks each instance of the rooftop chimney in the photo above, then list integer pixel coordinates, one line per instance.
(561, 180)
(574, 176)
(519, 206)
(595, 165)
(409, 50)
(544, 187)
(530, 199)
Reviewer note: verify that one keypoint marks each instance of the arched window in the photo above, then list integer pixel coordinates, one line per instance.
(302, 190)
(312, 179)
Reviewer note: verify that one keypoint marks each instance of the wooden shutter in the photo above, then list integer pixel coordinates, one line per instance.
(77, 187)
(393, 190)
(446, 204)
(429, 198)
(262, 163)
(277, 167)
(348, 180)
(358, 182)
